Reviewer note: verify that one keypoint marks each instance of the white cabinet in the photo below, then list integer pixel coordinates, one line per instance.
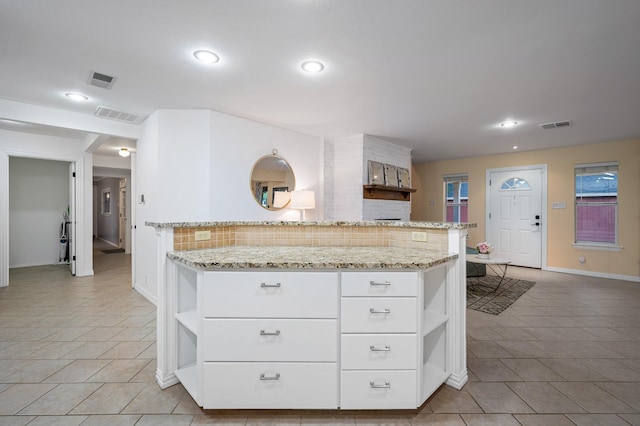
(311, 339)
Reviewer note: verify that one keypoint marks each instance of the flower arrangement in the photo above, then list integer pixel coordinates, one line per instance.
(484, 248)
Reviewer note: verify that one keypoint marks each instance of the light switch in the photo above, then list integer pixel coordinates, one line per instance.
(202, 235)
(558, 205)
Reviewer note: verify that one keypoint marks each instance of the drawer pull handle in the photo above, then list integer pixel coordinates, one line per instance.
(269, 333)
(386, 348)
(387, 385)
(265, 285)
(375, 283)
(276, 377)
(384, 311)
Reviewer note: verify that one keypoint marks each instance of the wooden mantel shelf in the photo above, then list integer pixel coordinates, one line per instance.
(380, 192)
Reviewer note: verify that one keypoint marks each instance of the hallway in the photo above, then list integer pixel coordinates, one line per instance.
(82, 351)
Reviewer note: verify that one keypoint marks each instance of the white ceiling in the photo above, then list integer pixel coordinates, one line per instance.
(434, 75)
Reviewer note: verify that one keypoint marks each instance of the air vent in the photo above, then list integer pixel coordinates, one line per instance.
(113, 114)
(101, 80)
(555, 124)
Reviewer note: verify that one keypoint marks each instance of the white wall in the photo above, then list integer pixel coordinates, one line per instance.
(38, 196)
(195, 166)
(350, 171)
(26, 145)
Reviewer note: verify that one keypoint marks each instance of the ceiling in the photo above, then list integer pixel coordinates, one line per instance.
(437, 76)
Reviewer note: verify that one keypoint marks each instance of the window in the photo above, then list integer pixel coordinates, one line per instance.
(515, 183)
(597, 203)
(456, 198)
(106, 202)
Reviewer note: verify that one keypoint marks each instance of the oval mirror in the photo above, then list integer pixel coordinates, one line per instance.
(272, 181)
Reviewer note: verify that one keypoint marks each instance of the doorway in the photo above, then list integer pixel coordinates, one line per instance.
(516, 222)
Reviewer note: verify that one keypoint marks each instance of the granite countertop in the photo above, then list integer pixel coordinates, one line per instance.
(243, 257)
(388, 223)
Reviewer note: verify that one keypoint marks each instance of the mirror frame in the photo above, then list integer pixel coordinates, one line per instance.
(272, 189)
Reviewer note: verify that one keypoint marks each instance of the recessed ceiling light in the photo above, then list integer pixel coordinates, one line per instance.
(312, 66)
(515, 147)
(206, 56)
(78, 97)
(124, 152)
(508, 124)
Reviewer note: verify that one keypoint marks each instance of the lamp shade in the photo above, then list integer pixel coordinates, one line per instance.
(303, 199)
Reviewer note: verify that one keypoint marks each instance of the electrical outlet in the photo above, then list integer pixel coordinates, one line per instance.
(203, 235)
(419, 236)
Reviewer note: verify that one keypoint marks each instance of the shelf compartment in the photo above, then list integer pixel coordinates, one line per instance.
(431, 320)
(381, 192)
(188, 376)
(189, 320)
(432, 378)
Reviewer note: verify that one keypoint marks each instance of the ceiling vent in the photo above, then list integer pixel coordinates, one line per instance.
(555, 124)
(101, 80)
(113, 114)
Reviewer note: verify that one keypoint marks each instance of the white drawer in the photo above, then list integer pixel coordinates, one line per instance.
(269, 340)
(379, 352)
(379, 284)
(298, 386)
(362, 390)
(270, 294)
(378, 315)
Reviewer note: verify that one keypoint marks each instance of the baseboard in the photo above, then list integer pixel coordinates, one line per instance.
(29, 265)
(111, 243)
(592, 274)
(150, 297)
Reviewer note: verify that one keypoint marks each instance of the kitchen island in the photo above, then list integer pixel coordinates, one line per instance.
(340, 315)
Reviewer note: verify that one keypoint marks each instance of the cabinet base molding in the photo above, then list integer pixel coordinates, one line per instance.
(457, 381)
(166, 380)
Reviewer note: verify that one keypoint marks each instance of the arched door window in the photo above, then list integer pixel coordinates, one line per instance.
(515, 183)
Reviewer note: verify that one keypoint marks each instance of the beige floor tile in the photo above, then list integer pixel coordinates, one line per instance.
(497, 398)
(437, 419)
(132, 334)
(544, 398)
(450, 400)
(110, 398)
(119, 370)
(21, 350)
(153, 400)
(126, 350)
(111, 420)
(531, 370)
(629, 393)
(61, 399)
(489, 420)
(597, 420)
(592, 398)
(220, 420)
(521, 349)
(54, 350)
(90, 350)
(632, 419)
(15, 420)
(571, 370)
(11, 366)
(37, 371)
(16, 397)
(483, 349)
(165, 420)
(67, 334)
(492, 370)
(78, 371)
(100, 334)
(612, 369)
(58, 421)
(147, 374)
(543, 420)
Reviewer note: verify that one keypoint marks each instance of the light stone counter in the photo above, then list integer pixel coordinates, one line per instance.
(238, 257)
(378, 223)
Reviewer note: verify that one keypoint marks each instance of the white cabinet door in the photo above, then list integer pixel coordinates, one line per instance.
(378, 315)
(268, 339)
(270, 386)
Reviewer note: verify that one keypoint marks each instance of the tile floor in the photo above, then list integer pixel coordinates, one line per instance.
(82, 351)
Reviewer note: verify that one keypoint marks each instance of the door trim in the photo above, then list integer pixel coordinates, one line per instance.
(543, 192)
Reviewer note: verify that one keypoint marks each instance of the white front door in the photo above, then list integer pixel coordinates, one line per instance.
(515, 216)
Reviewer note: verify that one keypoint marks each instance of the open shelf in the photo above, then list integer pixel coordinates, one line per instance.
(189, 320)
(381, 192)
(188, 376)
(432, 378)
(432, 320)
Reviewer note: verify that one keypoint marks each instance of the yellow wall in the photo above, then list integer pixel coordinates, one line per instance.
(427, 201)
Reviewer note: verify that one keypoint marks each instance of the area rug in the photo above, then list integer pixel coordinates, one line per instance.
(109, 251)
(481, 297)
